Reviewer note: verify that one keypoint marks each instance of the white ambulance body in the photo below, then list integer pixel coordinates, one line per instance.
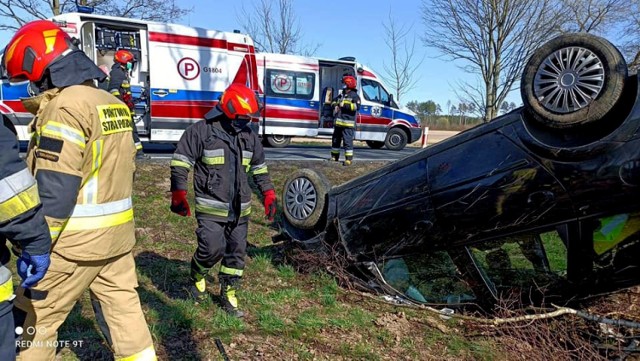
(180, 73)
(297, 93)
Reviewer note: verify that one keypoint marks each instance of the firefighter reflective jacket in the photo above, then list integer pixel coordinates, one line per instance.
(21, 217)
(221, 162)
(348, 105)
(82, 156)
(119, 85)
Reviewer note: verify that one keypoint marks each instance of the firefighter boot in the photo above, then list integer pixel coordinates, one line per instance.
(347, 161)
(335, 156)
(228, 300)
(198, 284)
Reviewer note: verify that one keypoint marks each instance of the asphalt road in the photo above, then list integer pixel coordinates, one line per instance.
(299, 152)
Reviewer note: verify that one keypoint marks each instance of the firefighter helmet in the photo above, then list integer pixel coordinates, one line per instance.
(123, 57)
(33, 48)
(238, 100)
(349, 81)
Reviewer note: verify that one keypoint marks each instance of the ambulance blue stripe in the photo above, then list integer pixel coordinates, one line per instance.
(388, 113)
(182, 95)
(298, 103)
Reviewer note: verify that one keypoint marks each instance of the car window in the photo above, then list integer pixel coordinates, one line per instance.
(290, 84)
(517, 261)
(370, 90)
(427, 278)
(374, 92)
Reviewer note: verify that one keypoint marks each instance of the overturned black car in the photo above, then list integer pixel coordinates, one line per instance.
(543, 201)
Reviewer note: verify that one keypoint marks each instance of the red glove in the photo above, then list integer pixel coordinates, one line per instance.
(269, 204)
(179, 204)
(127, 98)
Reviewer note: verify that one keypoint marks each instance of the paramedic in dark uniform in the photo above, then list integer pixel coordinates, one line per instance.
(120, 87)
(222, 150)
(21, 222)
(346, 106)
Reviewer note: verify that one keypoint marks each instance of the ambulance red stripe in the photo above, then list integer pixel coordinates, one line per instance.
(198, 41)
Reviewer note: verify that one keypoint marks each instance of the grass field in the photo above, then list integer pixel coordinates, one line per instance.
(292, 315)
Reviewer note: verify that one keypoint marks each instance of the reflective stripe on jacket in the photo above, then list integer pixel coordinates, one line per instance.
(348, 104)
(21, 217)
(82, 155)
(221, 163)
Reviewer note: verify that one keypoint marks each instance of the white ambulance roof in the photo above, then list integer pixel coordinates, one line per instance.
(173, 28)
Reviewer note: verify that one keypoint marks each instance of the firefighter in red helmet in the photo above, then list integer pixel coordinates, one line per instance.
(346, 106)
(81, 155)
(120, 87)
(222, 150)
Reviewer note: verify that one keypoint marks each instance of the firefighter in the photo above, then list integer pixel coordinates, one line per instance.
(222, 150)
(346, 106)
(120, 87)
(22, 222)
(82, 157)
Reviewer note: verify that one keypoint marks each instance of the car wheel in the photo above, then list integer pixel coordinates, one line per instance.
(396, 139)
(304, 198)
(278, 141)
(572, 80)
(373, 144)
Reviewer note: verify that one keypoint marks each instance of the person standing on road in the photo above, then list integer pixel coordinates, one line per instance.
(120, 87)
(21, 222)
(82, 156)
(222, 150)
(346, 106)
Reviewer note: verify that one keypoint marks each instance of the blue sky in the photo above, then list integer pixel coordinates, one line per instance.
(348, 28)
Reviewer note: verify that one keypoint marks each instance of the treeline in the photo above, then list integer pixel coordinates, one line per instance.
(460, 116)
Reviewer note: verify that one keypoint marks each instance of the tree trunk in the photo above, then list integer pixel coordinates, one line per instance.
(56, 7)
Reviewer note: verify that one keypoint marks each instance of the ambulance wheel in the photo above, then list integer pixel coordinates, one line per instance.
(278, 141)
(304, 197)
(396, 139)
(374, 144)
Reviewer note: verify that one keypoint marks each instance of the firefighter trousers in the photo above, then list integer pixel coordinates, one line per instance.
(226, 241)
(112, 283)
(7, 332)
(342, 135)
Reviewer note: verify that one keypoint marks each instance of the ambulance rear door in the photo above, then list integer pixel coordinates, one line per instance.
(189, 70)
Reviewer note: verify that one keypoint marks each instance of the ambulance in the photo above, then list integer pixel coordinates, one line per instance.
(179, 75)
(297, 95)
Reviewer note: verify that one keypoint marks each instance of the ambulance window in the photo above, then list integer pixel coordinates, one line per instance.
(290, 84)
(374, 92)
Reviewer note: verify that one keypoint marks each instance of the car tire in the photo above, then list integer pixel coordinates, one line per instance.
(396, 139)
(588, 70)
(304, 198)
(278, 141)
(374, 144)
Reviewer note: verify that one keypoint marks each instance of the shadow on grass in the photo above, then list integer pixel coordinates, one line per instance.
(83, 336)
(175, 312)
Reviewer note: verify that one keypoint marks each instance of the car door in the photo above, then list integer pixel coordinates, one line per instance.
(375, 113)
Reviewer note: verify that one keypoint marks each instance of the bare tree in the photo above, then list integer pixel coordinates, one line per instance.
(593, 16)
(491, 38)
(15, 13)
(400, 73)
(275, 31)
(630, 34)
